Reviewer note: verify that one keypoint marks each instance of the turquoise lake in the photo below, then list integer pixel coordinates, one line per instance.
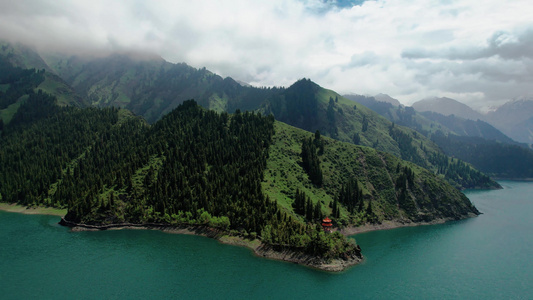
(488, 257)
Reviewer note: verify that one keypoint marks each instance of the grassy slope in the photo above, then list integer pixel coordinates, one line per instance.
(375, 170)
(7, 114)
(53, 85)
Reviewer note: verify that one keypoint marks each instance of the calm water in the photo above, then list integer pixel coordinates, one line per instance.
(488, 257)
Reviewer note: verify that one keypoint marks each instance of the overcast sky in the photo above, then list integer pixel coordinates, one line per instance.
(478, 52)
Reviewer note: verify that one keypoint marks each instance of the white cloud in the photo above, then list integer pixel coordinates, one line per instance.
(476, 51)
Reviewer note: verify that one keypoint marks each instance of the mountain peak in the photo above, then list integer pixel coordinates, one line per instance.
(447, 106)
(387, 99)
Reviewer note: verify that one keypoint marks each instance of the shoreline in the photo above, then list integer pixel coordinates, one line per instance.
(258, 248)
(386, 225)
(38, 210)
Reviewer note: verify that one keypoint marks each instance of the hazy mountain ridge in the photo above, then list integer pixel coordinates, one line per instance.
(476, 142)
(515, 118)
(447, 106)
(387, 99)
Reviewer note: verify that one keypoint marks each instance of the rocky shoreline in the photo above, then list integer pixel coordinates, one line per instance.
(385, 225)
(260, 249)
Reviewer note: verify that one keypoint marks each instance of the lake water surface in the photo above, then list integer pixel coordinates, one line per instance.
(488, 257)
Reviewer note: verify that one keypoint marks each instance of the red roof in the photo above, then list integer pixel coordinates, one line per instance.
(326, 220)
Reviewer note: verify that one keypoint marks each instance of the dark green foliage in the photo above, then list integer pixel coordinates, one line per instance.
(311, 161)
(356, 138)
(21, 82)
(36, 154)
(335, 209)
(351, 196)
(209, 162)
(297, 105)
(331, 112)
(365, 124)
(459, 173)
(331, 245)
(404, 183)
(407, 149)
(497, 159)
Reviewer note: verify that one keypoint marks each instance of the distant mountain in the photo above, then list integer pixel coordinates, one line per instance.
(447, 106)
(387, 99)
(150, 86)
(18, 84)
(21, 56)
(475, 142)
(468, 128)
(514, 118)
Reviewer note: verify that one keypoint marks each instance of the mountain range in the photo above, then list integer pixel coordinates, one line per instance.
(514, 118)
(476, 142)
(151, 87)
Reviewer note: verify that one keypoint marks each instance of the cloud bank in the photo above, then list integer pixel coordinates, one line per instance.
(478, 52)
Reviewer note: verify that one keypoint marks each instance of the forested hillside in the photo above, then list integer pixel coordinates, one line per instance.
(193, 167)
(242, 173)
(359, 184)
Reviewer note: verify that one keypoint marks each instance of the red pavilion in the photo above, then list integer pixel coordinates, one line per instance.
(326, 223)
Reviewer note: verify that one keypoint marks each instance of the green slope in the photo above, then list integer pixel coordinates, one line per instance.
(429, 196)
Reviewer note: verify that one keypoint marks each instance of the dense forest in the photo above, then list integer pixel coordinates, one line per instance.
(16, 82)
(493, 158)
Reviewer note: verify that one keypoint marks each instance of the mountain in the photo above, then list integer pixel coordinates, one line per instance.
(514, 118)
(468, 128)
(387, 99)
(18, 84)
(429, 122)
(21, 56)
(447, 106)
(151, 87)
